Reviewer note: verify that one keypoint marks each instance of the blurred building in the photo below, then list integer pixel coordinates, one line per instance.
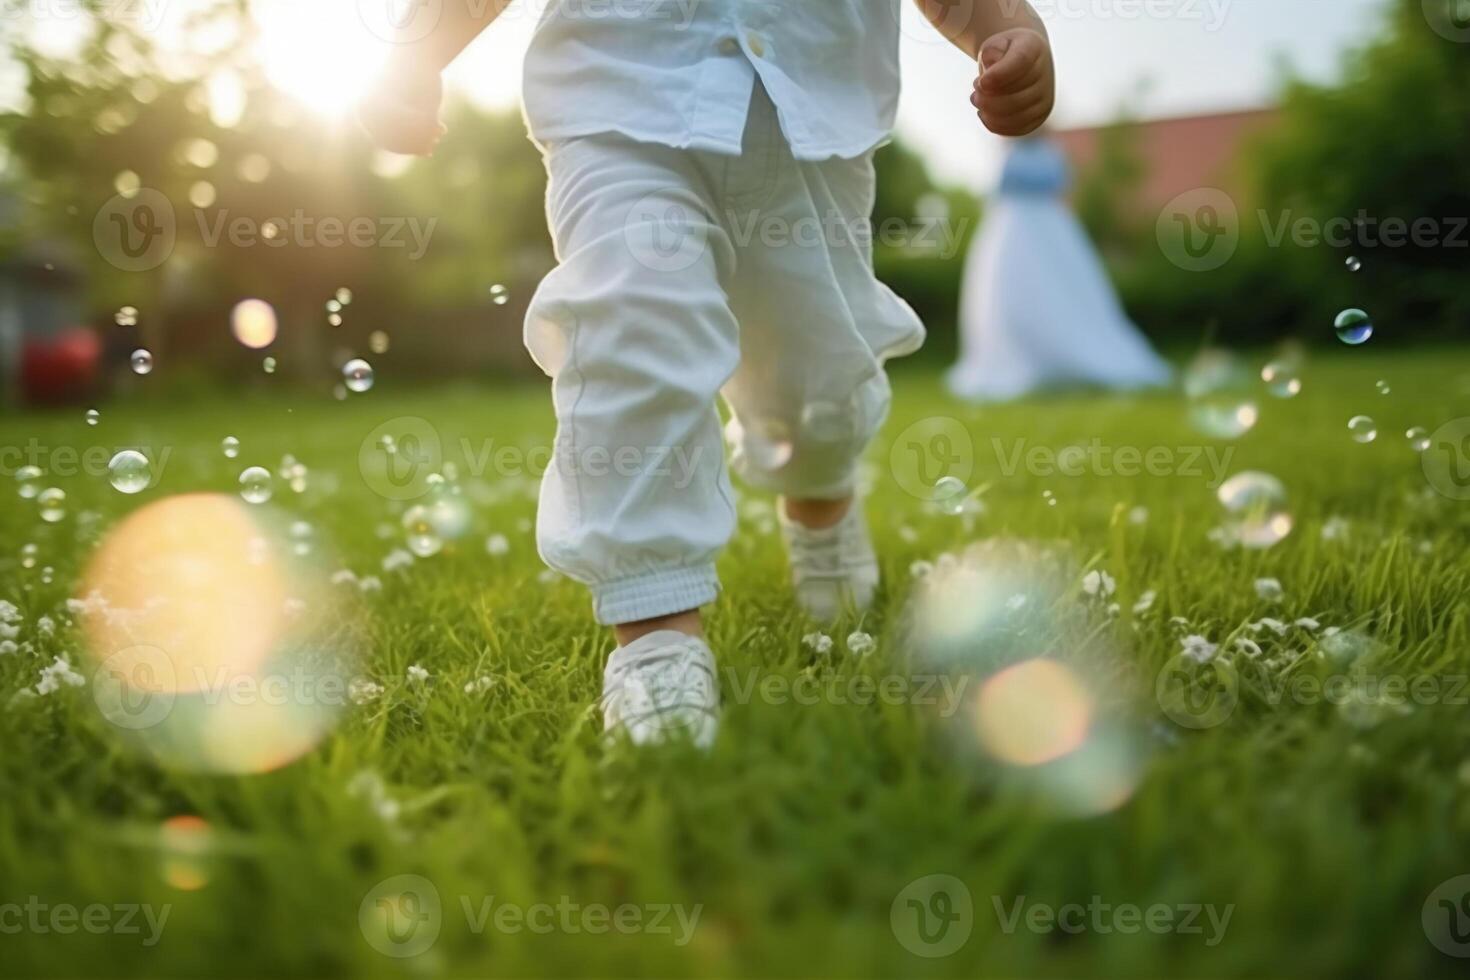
(1178, 154)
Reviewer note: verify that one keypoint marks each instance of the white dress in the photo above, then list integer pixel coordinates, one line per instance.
(1036, 308)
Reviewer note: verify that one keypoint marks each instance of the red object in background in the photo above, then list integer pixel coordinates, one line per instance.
(61, 368)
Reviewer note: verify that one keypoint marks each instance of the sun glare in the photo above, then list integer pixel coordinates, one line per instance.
(321, 52)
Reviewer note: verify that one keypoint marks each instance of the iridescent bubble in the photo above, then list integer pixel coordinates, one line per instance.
(1363, 429)
(215, 649)
(950, 493)
(1353, 263)
(254, 323)
(357, 374)
(230, 446)
(1353, 327)
(255, 485)
(499, 295)
(28, 481)
(270, 231)
(52, 503)
(142, 361)
(128, 472)
(378, 342)
(1418, 438)
(1383, 387)
(1221, 395)
(1257, 507)
(93, 416)
(423, 537)
(1033, 713)
(1281, 379)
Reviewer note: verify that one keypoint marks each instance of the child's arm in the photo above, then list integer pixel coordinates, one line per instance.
(401, 112)
(1016, 88)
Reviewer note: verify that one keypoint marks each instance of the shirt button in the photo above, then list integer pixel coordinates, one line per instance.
(729, 46)
(757, 45)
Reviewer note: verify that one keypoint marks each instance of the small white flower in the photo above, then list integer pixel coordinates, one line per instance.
(1248, 647)
(480, 684)
(1331, 631)
(362, 690)
(1098, 583)
(818, 642)
(1274, 625)
(1138, 516)
(9, 631)
(1269, 589)
(9, 613)
(343, 576)
(921, 568)
(417, 674)
(46, 626)
(1308, 623)
(1198, 649)
(1114, 609)
(1145, 602)
(861, 644)
(497, 544)
(396, 559)
(370, 583)
(58, 673)
(1178, 621)
(1335, 529)
(907, 534)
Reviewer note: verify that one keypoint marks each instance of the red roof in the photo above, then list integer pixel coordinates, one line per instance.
(1181, 154)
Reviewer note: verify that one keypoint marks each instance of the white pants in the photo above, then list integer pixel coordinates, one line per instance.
(685, 275)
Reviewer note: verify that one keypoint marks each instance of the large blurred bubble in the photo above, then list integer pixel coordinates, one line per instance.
(1009, 623)
(216, 648)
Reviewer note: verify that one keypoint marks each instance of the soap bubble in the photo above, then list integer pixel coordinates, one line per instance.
(950, 493)
(1418, 438)
(1219, 389)
(142, 361)
(1363, 429)
(93, 416)
(1353, 263)
(255, 485)
(1383, 387)
(230, 446)
(254, 323)
(52, 504)
(1257, 507)
(216, 649)
(268, 365)
(128, 472)
(1353, 327)
(499, 295)
(423, 538)
(28, 481)
(357, 374)
(1281, 379)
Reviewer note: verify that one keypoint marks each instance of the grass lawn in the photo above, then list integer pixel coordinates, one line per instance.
(1321, 831)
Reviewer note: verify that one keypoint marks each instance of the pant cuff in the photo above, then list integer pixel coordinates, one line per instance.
(653, 594)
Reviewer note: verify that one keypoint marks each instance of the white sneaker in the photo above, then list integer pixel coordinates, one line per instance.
(833, 568)
(662, 687)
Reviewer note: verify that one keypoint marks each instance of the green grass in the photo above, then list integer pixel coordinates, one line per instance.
(797, 832)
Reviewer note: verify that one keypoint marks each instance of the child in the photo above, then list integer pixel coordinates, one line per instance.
(710, 175)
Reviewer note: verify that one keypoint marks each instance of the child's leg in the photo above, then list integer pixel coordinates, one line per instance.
(635, 330)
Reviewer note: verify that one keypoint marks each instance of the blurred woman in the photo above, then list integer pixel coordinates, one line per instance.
(1036, 307)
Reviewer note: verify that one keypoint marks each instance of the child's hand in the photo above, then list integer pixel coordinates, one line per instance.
(401, 112)
(1017, 85)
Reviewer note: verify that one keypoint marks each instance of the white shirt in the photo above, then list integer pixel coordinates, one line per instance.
(681, 72)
